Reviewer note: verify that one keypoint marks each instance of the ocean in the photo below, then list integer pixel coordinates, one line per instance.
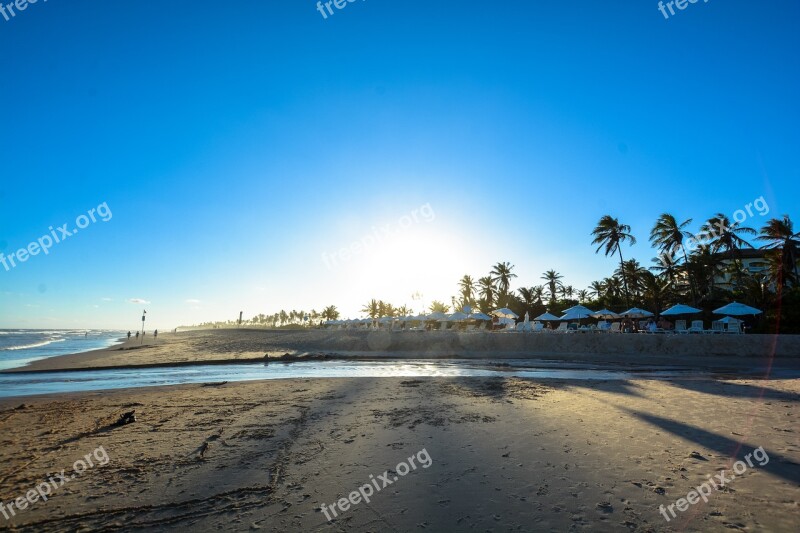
(21, 346)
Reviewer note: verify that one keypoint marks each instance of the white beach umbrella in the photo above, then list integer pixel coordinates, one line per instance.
(581, 308)
(547, 316)
(576, 314)
(635, 312)
(479, 316)
(504, 312)
(681, 309)
(605, 313)
(458, 316)
(736, 309)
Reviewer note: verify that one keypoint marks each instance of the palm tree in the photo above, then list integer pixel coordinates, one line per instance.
(724, 237)
(568, 292)
(330, 313)
(583, 295)
(597, 290)
(668, 235)
(609, 234)
(780, 236)
(371, 309)
(467, 287)
(437, 306)
(528, 296)
(501, 274)
(486, 288)
(553, 283)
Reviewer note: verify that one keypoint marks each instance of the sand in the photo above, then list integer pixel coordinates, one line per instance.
(719, 351)
(506, 454)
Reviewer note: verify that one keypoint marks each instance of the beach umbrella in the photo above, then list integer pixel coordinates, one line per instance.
(575, 314)
(729, 320)
(579, 308)
(736, 309)
(547, 316)
(504, 312)
(438, 315)
(605, 313)
(479, 316)
(385, 319)
(681, 309)
(420, 317)
(458, 316)
(635, 312)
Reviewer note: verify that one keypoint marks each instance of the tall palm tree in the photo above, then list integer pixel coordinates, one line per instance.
(583, 295)
(467, 287)
(501, 274)
(610, 234)
(553, 283)
(724, 236)
(668, 235)
(779, 235)
(486, 288)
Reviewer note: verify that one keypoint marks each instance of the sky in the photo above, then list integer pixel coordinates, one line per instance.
(235, 149)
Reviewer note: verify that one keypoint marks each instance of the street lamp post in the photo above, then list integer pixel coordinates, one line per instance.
(143, 315)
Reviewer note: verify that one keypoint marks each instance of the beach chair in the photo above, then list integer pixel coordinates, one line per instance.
(520, 327)
(716, 327)
(733, 327)
(680, 326)
(615, 327)
(562, 328)
(538, 327)
(697, 326)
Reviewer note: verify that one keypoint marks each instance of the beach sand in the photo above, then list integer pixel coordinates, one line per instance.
(506, 454)
(231, 345)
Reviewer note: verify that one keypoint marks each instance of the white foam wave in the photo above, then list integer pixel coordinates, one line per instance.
(35, 345)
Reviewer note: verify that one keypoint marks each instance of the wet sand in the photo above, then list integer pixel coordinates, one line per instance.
(220, 346)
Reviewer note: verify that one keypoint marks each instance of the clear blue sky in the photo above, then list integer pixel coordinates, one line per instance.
(236, 143)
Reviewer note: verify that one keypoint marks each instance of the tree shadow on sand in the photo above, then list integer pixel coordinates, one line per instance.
(778, 465)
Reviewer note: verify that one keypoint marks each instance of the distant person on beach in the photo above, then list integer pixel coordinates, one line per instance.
(137, 334)
(129, 335)
(155, 334)
(627, 325)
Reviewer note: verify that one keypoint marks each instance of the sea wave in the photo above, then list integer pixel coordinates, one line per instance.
(35, 345)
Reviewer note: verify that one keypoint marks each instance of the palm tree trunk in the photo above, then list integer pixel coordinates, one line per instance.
(624, 279)
(689, 275)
